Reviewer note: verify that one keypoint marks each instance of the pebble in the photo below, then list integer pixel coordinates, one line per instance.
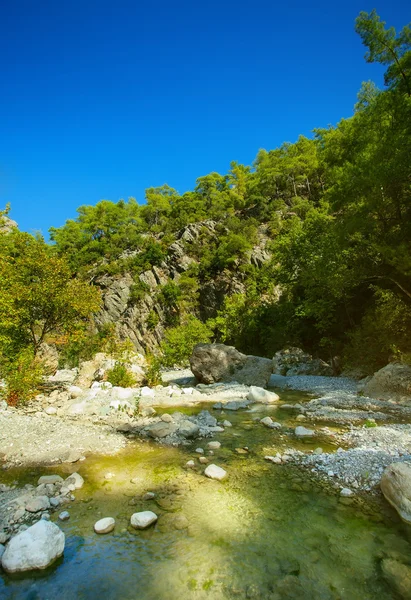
(227, 424)
(203, 460)
(64, 516)
(104, 525)
(190, 464)
(214, 445)
(199, 451)
(215, 472)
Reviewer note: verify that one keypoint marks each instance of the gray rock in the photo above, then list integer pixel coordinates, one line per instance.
(54, 502)
(161, 429)
(303, 432)
(142, 520)
(398, 576)
(214, 445)
(45, 479)
(104, 525)
(167, 418)
(35, 548)
(393, 382)
(187, 429)
(37, 504)
(64, 516)
(294, 361)
(217, 362)
(396, 487)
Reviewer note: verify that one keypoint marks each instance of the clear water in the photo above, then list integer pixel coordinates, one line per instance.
(266, 532)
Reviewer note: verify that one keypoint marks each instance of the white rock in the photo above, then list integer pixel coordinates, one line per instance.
(188, 391)
(274, 459)
(167, 418)
(123, 393)
(147, 392)
(104, 525)
(203, 460)
(215, 472)
(144, 519)
(190, 464)
(346, 492)
(74, 479)
(227, 424)
(64, 516)
(262, 396)
(301, 431)
(51, 410)
(35, 548)
(214, 445)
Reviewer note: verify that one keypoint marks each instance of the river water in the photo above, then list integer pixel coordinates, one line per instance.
(266, 532)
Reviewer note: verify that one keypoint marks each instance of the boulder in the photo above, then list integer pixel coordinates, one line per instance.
(398, 576)
(396, 487)
(76, 480)
(294, 361)
(392, 382)
(188, 429)
(211, 363)
(104, 525)
(35, 548)
(37, 504)
(161, 429)
(262, 396)
(215, 472)
(303, 432)
(142, 520)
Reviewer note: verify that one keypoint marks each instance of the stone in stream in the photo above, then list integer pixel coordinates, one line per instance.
(104, 525)
(35, 548)
(346, 492)
(142, 520)
(37, 504)
(274, 459)
(190, 464)
(214, 445)
(199, 451)
(161, 429)
(149, 496)
(396, 487)
(76, 480)
(215, 472)
(203, 460)
(64, 516)
(398, 576)
(262, 396)
(227, 424)
(188, 429)
(45, 479)
(303, 432)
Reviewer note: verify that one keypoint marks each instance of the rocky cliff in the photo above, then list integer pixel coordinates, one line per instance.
(143, 320)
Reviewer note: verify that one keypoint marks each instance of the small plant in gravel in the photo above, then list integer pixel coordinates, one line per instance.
(368, 423)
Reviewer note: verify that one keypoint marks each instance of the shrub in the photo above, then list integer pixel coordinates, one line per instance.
(152, 320)
(120, 376)
(138, 291)
(153, 375)
(23, 376)
(179, 341)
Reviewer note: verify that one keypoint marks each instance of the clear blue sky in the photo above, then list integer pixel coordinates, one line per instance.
(101, 99)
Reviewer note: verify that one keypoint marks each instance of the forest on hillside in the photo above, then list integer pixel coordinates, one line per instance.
(335, 212)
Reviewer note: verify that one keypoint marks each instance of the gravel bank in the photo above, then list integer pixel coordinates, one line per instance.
(42, 439)
(314, 384)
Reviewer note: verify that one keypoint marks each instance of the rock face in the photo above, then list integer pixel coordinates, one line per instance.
(211, 363)
(396, 487)
(294, 361)
(49, 357)
(35, 548)
(392, 382)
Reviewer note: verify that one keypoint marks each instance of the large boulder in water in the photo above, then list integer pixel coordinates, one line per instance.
(35, 548)
(396, 487)
(392, 382)
(211, 363)
(294, 361)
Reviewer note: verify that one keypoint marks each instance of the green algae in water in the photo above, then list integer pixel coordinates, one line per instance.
(251, 536)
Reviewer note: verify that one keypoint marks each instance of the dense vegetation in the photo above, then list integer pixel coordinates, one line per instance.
(337, 213)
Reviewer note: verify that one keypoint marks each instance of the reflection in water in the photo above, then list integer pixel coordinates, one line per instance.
(264, 533)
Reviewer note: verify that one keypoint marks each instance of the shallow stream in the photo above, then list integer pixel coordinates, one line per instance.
(266, 532)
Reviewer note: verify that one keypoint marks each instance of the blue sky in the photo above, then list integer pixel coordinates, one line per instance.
(102, 99)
